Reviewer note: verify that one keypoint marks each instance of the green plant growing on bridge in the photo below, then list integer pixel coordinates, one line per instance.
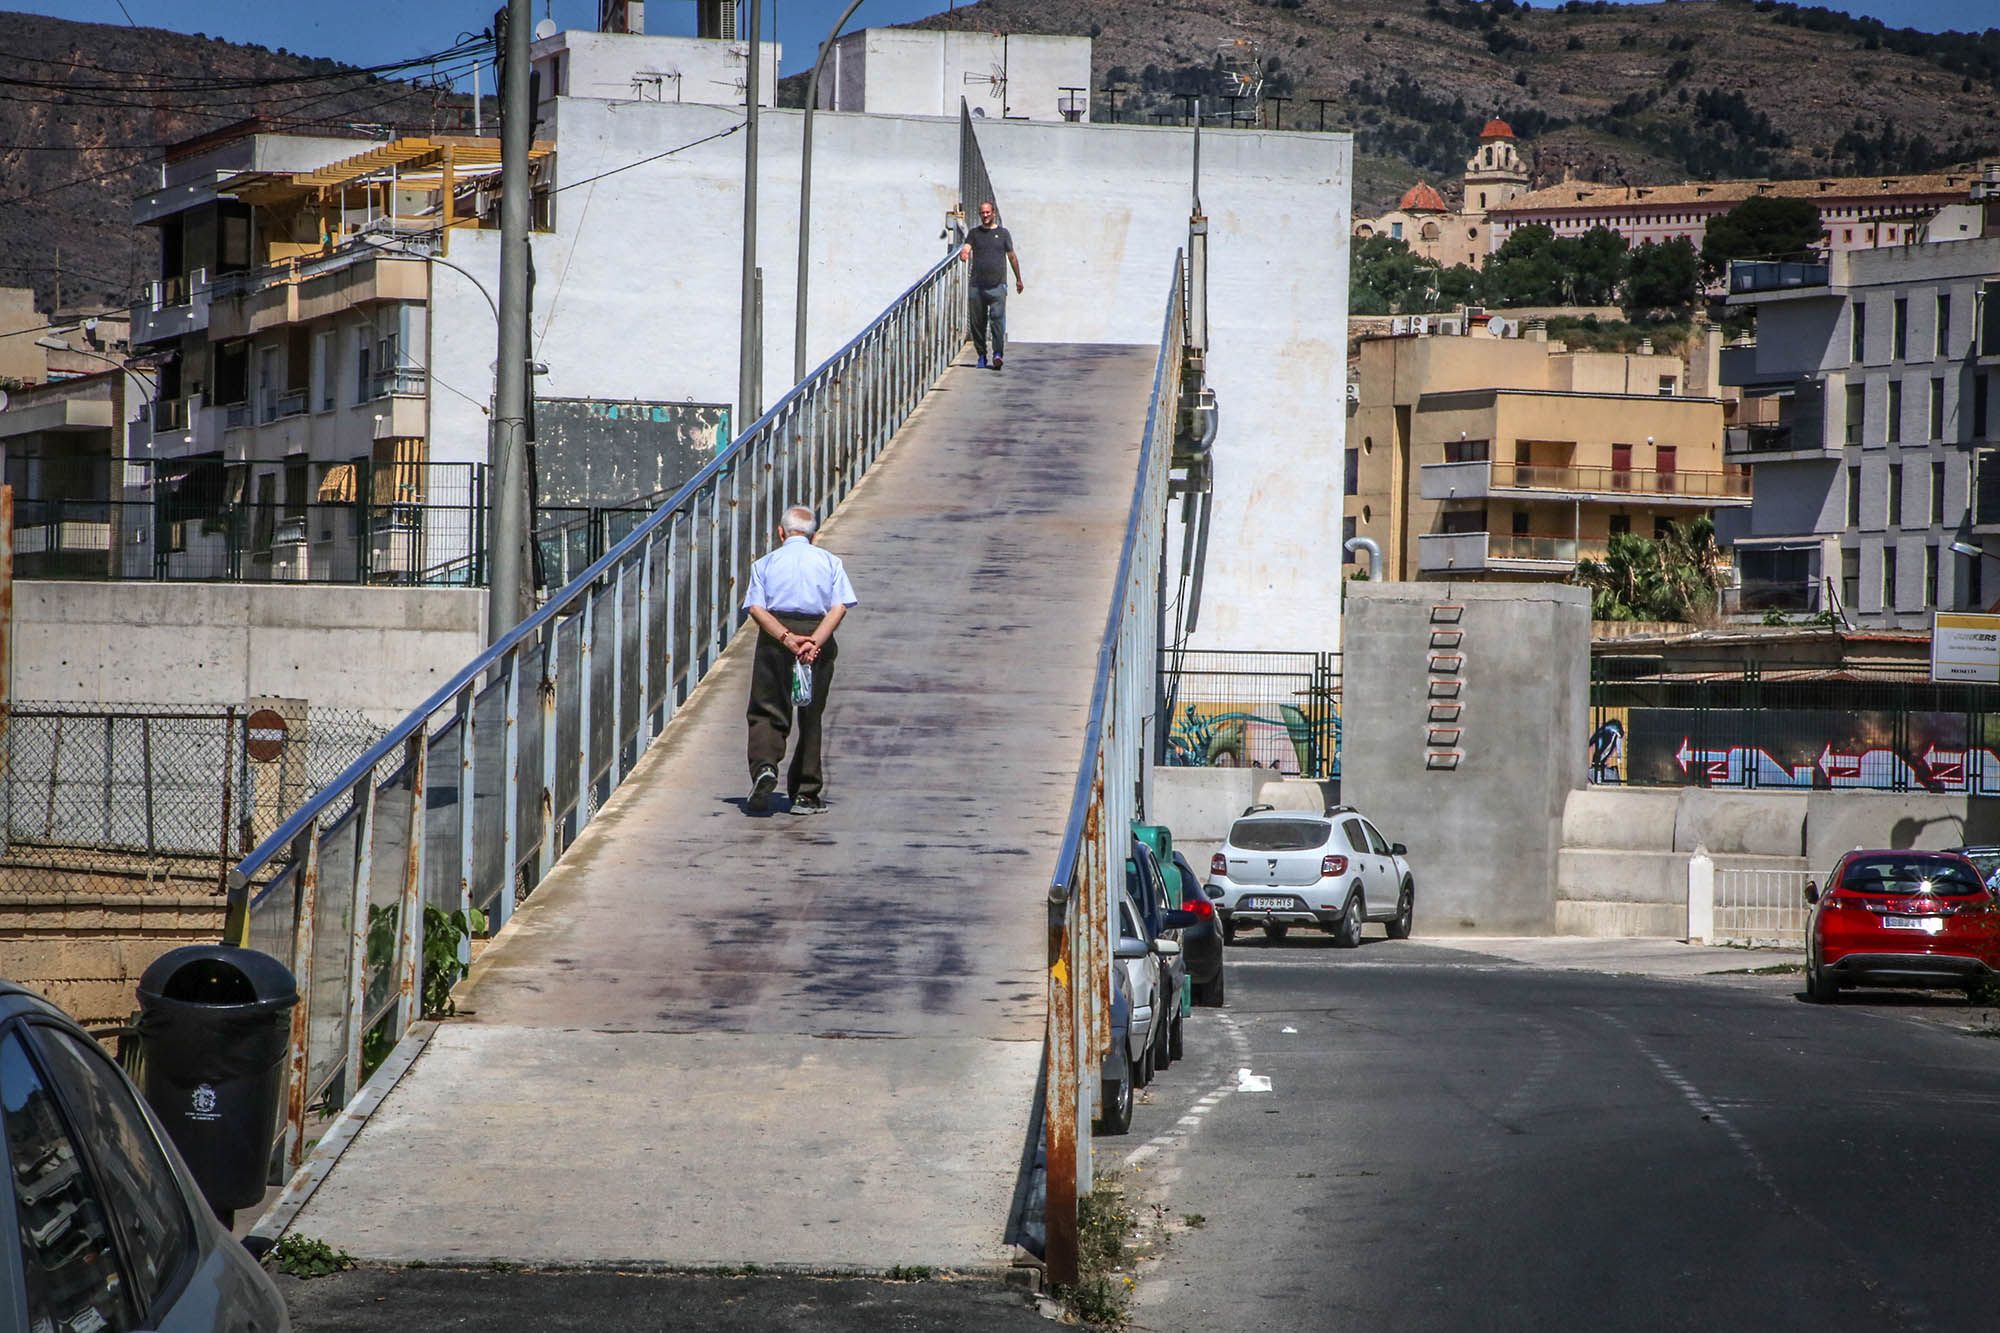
(445, 934)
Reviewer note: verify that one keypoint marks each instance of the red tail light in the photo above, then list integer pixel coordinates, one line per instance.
(1218, 864)
(1199, 905)
(1333, 865)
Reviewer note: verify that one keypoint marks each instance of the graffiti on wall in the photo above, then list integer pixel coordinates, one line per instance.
(1238, 735)
(1814, 749)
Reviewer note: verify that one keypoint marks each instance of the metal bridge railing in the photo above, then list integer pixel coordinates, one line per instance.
(1105, 802)
(469, 800)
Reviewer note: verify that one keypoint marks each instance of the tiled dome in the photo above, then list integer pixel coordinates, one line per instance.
(1421, 198)
(1496, 129)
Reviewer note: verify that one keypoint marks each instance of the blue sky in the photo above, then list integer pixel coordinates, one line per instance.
(368, 32)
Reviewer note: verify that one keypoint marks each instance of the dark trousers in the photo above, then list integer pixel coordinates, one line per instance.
(989, 307)
(771, 708)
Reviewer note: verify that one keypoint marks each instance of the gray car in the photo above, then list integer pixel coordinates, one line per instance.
(114, 1236)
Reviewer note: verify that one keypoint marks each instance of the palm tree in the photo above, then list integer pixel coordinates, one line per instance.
(1676, 577)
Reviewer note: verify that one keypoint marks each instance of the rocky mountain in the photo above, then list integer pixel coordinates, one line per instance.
(88, 108)
(1641, 93)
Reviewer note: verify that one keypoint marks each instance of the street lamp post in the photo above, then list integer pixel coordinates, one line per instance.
(805, 192)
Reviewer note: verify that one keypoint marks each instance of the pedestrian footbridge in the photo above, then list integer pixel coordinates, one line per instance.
(710, 1038)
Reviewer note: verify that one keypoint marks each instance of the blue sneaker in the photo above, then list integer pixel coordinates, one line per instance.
(982, 363)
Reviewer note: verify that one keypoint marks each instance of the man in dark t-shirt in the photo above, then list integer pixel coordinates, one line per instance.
(990, 250)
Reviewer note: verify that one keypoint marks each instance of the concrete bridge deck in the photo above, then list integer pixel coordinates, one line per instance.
(710, 1038)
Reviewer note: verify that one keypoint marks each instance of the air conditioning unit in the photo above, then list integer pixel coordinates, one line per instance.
(1450, 328)
(1399, 326)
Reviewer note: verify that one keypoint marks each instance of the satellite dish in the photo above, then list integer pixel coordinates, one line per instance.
(3, 400)
(1498, 327)
(979, 112)
(545, 29)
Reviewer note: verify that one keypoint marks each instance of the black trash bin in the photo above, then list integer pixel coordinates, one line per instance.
(215, 1021)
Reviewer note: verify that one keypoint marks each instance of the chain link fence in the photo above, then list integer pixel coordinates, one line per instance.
(143, 799)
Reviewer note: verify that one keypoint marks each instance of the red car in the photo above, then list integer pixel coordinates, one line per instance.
(1901, 918)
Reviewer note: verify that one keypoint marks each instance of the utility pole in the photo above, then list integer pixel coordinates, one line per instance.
(805, 194)
(749, 324)
(507, 529)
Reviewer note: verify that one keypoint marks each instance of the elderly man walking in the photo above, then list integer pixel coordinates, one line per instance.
(990, 249)
(798, 595)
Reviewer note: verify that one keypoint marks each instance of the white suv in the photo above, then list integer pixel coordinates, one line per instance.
(1284, 868)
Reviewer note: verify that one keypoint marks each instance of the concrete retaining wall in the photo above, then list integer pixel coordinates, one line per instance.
(1484, 817)
(1623, 865)
(380, 650)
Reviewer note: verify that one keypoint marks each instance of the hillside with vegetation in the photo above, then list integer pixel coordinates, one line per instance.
(90, 107)
(1644, 93)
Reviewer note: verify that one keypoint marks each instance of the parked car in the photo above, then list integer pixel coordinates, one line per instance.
(1901, 918)
(1985, 858)
(1141, 957)
(1146, 882)
(1201, 936)
(1120, 1071)
(1282, 868)
(113, 1233)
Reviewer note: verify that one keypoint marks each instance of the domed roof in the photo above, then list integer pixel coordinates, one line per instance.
(1421, 198)
(1496, 129)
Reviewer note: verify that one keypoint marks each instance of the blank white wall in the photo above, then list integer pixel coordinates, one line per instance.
(637, 292)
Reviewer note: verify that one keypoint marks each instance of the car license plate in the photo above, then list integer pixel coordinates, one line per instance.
(1928, 924)
(1270, 904)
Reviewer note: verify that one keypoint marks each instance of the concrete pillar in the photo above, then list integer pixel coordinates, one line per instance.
(1701, 898)
(1465, 715)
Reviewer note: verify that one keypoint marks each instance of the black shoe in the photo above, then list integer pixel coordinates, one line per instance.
(761, 789)
(808, 805)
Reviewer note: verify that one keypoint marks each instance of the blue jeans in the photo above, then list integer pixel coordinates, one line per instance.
(989, 307)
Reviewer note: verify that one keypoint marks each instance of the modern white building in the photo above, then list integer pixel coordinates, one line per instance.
(927, 71)
(1871, 418)
(638, 286)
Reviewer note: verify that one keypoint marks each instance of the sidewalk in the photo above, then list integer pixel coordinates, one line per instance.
(394, 1300)
(1627, 957)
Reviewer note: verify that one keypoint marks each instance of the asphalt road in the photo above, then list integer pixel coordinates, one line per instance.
(1455, 1141)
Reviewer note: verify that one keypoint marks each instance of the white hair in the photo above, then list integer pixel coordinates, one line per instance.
(798, 521)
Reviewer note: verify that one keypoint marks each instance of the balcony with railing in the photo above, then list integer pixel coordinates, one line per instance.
(1477, 480)
(311, 287)
(402, 381)
(1751, 276)
(170, 414)
(171, 307)
(1502, 553)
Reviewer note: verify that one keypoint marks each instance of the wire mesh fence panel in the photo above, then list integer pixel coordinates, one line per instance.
(209, 519)
(147, 800)
(1880, 727)
(1277, 710)
(382, 941)
(568, 722)
(334, 945)
(1760, 907)
(493, 795)
(443, 786)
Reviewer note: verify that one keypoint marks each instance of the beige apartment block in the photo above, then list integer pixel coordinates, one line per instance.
(1513, 458)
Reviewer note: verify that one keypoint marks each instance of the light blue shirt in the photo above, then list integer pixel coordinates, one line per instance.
(799, 578)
